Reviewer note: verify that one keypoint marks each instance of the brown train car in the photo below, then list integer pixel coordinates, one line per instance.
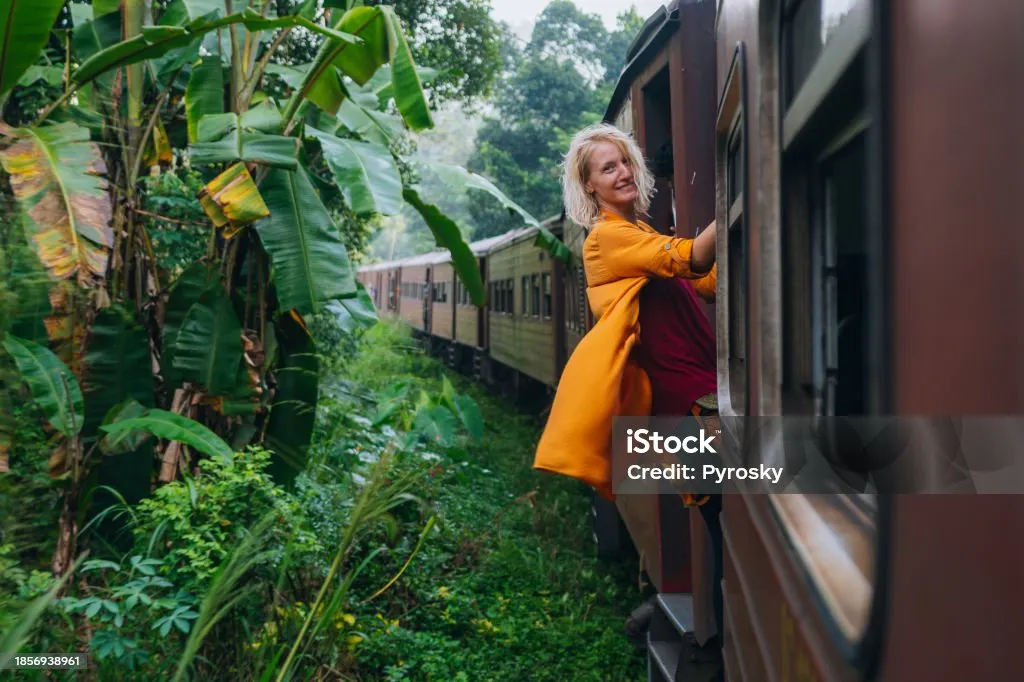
(873, 134)
(521, 329)
(416, 300)
(377, 279)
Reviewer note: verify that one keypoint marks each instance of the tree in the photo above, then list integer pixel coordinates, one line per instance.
(458, 38)
(560, 83)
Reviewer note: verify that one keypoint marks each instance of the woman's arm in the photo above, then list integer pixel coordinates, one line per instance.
(629, 251)
(706, 287)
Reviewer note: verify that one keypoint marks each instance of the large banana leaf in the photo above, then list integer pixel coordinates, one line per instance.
(156, 41)
(24, 27)
(53, 386)
(126, 441)
(382, 84)
(204, 95)
(384, 42)
(405, 82)
(66, 323)
(360, 61)
(197, 281)
(371, 125)
(90, 38)
(171, 426)
(354, 313)
(448, 235)
(327, 91)
(117, 365)
(181, 12)
(365, 172)
(117, 369)
(232, 197)
(293, 413)
(310, 263)
(459, 179)
(224, 138)
(57, 176)
(208, 347)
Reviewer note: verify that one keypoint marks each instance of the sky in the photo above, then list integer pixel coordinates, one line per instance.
(521, 14)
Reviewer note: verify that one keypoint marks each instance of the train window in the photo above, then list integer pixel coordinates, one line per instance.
(546, 296)
(737, 267)
(534, 295)
(808, 26)
(732, 142)
(828, 267)
(523, 308)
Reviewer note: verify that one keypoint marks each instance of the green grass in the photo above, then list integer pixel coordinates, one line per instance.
(509, 589)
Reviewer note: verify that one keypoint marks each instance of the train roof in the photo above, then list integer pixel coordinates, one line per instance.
(658, 28)
(481, 247)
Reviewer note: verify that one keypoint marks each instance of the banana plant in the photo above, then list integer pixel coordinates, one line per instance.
(224, 341)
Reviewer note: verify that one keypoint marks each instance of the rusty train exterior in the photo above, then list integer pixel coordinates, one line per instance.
(863, 161)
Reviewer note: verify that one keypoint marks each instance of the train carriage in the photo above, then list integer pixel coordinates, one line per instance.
(521, 330)
(841, 209)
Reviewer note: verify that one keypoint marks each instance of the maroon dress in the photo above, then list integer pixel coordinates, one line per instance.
(677, 346)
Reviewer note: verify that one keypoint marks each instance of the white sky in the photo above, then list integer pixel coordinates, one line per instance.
(522, 13)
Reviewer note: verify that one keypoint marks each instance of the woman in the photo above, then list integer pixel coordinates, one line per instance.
(652, 351)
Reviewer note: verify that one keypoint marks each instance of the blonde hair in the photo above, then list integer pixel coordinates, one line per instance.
(581, 205)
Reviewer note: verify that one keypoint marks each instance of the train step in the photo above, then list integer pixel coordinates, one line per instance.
(672, 652)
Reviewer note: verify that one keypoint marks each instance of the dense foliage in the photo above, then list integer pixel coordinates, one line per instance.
(457, 561)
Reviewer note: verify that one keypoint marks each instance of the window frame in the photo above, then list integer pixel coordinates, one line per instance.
(731, 122)
(804, 122)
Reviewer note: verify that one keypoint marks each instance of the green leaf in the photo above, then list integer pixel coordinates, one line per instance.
(360, 61)
(204, 95)
(310, 263)
(327, 91)
(53, 75)
(383, 87)
(371, 125)
(180, 12)
(25, 27)
(208, 347)
(470, 415)
(171, 426)
(225, 138)
(57, 176)
(117, 365)
(365, 172)
(232, 197)
(354, 313)
(156, 41)
(459, 179)
(197, 280)
(408, 90)
(52, 385)
(437, 425)
(293, 413)
(448, 235)
(128, 441)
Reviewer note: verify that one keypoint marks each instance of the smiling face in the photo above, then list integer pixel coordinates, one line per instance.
(610, 178)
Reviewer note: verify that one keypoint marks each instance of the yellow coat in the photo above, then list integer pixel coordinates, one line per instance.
(601, 381)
